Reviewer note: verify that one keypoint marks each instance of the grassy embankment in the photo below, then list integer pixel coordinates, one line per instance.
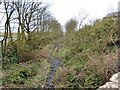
(88, 59)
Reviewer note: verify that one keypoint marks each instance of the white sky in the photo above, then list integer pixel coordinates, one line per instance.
(63, 10)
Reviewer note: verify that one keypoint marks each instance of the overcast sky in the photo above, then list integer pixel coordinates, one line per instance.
(63, 10)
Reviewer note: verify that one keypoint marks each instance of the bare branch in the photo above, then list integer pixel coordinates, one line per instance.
(82, 20)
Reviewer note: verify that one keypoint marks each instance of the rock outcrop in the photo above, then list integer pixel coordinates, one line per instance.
(113, 84)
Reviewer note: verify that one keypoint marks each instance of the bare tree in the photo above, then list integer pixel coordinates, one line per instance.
(26, 17)
(31, 16)
(9, 9)
(0, 1)
(81, 18)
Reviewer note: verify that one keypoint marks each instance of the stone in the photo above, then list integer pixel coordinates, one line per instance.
(113, 84)
(114, 78)
(110, 85)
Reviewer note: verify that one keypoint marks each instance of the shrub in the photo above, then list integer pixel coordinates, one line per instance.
(20, 77)
(27, 73)
(26, 55)
(11, 58)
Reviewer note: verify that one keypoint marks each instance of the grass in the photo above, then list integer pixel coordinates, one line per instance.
(24, 73)
(87, 59)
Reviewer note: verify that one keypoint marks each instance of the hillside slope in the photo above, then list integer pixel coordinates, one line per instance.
(89, 58)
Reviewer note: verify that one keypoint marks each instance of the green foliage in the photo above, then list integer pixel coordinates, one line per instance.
(27, 73)
(11, 58)
(92, 81)
(81, 52)
(70, 77)
(61, 53)
(56, 29)
(71, 81)
(88, 43)
(12, 78)
(71, 25)
(21, 76)
(79, 64)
